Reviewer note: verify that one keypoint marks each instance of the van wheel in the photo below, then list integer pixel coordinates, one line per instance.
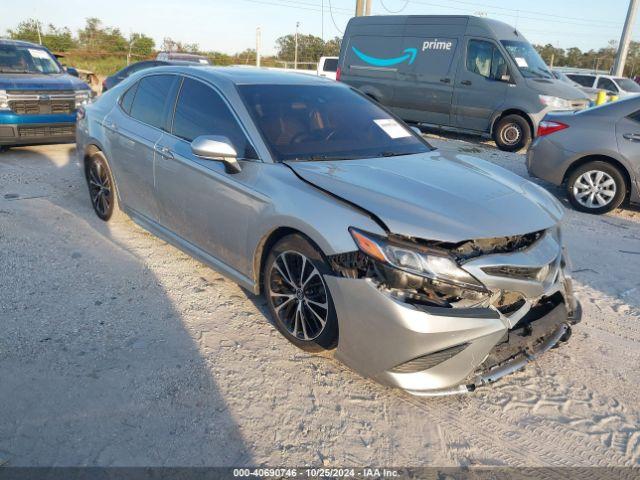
(512, 133)
(596, 187)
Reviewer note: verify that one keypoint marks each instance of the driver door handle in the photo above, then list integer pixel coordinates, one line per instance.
(634, 137)
(163, 151)
(466, 82)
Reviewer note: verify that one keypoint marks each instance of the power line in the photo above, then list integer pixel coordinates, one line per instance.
(300, 6)
(406, 2)
(333, 19)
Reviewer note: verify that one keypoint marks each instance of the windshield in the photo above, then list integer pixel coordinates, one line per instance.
(332, 122)
(527, 59)
(627, 84)
(19, 59)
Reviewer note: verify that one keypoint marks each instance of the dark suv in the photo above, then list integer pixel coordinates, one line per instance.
(38, 98)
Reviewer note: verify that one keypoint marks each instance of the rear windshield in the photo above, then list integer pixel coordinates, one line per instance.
(330, 65)
(314, 122)
(19, 59)
(627, 84)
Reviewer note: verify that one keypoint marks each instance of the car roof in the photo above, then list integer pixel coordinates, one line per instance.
(248, 75)
(20, 43)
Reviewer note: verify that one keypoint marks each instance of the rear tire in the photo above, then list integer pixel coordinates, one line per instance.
(297, 296)
(102, 188)
(512, 133)
(596, 187)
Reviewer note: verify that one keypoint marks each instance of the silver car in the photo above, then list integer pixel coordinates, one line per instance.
(430, 272)
(594, 153)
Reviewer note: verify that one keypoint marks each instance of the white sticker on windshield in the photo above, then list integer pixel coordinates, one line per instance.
(392, 128)
(521, 62)
(37, 53)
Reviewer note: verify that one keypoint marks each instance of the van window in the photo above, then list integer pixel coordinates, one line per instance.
(527, 59)
(584, 80)
(149, 102)
(607, 84)
(484, 58)
(627, 84)
(201, 111)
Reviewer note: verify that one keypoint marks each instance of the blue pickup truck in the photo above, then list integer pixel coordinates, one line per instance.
(38, 98)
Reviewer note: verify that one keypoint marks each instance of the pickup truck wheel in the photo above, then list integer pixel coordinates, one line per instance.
(596, 187)
(512, 133)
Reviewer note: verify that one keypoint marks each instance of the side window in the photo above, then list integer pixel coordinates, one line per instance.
(499, 66)
(584, 80)
(150, 99)
(127, 99)
(479, 57)
(201, 111)
(607, 84)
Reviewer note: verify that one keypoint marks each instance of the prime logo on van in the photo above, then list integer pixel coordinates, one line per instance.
(409, 54)
(437, 45)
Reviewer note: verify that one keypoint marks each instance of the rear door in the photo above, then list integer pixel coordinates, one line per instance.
(479, 90)
(134, 130)
(628, 137)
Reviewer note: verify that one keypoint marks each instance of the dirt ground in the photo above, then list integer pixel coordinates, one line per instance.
(118, 349)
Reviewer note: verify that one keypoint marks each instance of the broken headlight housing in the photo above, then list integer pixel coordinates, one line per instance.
(4, 100)
(420, 274)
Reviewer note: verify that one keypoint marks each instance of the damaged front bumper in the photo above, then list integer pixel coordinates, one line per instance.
(441, 351)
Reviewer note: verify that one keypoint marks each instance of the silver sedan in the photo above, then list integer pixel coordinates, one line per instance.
(594, 153)
(430, 272)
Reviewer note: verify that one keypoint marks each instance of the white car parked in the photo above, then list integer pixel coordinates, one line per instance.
(620, 86)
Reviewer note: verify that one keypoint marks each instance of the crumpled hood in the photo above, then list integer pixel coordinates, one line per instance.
(29, 81)
(437, 196)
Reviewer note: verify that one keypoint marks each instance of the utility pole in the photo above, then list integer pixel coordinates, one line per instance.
(295, 58)
(359, 8)
(623, 48)
(322, 21)
(258, 41)
(367, 8)
(39, 34)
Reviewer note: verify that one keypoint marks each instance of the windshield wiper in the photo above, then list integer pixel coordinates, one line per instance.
(393, 154)
(327, 158)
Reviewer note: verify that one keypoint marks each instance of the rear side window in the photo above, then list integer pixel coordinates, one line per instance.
(330, 65)
(201, 111)
(150, 99)
(127, 98)
(584, 80)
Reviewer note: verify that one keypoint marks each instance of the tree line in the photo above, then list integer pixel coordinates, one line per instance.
(96, 44)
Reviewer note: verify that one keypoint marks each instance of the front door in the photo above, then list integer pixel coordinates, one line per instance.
(198, 199)
(480, 86)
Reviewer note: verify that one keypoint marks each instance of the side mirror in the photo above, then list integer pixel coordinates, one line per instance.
(416, 130)
(72, 71)
(216, 147)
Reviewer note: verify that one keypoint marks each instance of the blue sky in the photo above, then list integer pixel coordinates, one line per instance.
(229, 25)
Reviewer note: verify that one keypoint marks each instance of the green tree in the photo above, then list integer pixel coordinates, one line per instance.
(97, 38)
(55, 39)
(141, 45)
(310, 48)
(332, 47)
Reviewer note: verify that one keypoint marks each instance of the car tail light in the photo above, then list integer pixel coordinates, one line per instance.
(338, 72)
(548, 127)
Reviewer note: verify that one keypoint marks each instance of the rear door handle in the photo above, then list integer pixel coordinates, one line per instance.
(445, 80)
(634, 137)
(466, 82)
(164, 151)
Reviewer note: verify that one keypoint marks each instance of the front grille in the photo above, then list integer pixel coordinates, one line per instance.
(428, 361)
(46, 131)
(41, 102)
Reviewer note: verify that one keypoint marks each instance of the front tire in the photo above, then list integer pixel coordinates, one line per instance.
(512, 133)
(102, 190)
(297, 296)
(596, 187)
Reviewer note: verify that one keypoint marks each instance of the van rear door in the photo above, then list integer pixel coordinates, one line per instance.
(480, 87)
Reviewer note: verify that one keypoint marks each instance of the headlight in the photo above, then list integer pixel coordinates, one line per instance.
(4, 100)
(422, 262)
(555, 102)
(82, 97)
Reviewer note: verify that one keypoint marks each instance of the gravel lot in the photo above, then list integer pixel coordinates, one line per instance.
(118, 349)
